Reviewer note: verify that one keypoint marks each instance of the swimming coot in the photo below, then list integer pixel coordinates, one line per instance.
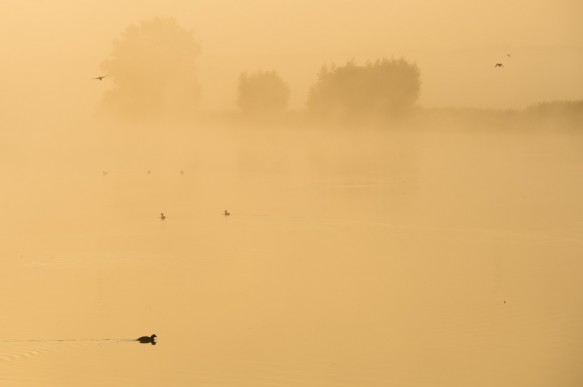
(147, 339)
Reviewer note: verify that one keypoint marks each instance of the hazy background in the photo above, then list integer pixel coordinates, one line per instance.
(50, 48)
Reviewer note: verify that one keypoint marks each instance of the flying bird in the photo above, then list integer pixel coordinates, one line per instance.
(498, 65)
(100, 78)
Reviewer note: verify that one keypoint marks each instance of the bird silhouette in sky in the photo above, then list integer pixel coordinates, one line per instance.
(499, 65)
(100, 78)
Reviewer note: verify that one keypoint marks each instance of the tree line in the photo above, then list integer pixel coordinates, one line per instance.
(153, 64)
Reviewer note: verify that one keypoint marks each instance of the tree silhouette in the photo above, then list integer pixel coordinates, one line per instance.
(152, 67)
(383, 88)
(261, 93)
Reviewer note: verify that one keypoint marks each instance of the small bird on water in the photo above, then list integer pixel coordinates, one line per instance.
(227, 213)
(147, 339)
(162, 216)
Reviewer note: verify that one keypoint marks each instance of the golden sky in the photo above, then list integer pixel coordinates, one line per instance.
(50, 48)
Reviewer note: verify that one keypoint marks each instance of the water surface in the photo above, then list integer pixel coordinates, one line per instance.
(368, 259)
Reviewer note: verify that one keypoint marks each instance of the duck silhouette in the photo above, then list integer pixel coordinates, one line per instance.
(147, 339)
(227, 213)
(162, 216)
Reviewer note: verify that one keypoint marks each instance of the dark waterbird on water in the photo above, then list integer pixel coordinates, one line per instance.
(162, 216)
(227, 213)
(147, 339)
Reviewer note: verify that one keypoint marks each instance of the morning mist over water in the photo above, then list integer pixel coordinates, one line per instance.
(402, 210)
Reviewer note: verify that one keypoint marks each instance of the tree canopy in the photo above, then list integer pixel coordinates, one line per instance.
(381, 88)
(262, 92)
(152, 66)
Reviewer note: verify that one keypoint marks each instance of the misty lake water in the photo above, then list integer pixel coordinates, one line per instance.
(442, 258)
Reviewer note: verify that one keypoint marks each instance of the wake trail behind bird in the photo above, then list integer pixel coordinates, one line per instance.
(64, 340)
(11, 350)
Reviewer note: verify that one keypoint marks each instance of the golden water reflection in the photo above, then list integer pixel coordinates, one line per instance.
(413, 261)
